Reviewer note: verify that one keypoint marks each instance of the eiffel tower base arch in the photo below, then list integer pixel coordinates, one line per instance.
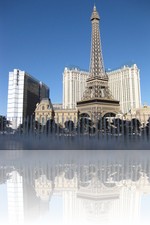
(97, 108)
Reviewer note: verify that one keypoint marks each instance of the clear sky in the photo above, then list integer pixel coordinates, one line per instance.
(42, 37)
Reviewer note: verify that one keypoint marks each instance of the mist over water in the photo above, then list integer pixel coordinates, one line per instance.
(83, 142)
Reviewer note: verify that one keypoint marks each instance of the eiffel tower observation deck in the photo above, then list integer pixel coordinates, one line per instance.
(97, 100)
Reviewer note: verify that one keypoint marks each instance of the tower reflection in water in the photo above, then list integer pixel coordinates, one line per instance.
(74, 187)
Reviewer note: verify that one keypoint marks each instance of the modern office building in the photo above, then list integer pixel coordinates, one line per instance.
(24, 92)
(124, 84)
(74, 82)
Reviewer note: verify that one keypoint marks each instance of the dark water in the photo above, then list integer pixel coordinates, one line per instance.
(80, 142)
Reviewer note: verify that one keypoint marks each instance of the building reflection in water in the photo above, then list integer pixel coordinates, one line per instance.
(75, 187)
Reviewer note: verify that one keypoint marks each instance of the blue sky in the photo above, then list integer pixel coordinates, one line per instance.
(42, 37)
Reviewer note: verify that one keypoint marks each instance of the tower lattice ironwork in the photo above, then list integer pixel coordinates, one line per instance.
(97, 83)
(97, 99)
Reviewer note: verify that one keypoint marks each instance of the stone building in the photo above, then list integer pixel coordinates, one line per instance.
(63, 115)
(45, 111)
(142, 114)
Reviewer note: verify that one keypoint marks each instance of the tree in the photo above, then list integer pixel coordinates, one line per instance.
(29, 125)
(117, 124)
(69, 125)
(148, 127)
(51, 126)
(103, 124)
(134, 126)
(126, 125)
(85, 125)
(4, 123)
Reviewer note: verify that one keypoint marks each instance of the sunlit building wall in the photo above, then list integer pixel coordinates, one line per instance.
(124, 84)
(24, 92)
(74, 82)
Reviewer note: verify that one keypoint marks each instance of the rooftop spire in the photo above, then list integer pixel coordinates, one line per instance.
(96, 63)
(95, 14)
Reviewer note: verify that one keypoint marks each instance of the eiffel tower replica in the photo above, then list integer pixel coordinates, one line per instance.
(97, 100)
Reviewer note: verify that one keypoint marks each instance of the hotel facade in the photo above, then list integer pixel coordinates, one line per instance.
(124, 84)
(74, 83)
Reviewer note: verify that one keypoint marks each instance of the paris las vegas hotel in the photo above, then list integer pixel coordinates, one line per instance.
(124, 84)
